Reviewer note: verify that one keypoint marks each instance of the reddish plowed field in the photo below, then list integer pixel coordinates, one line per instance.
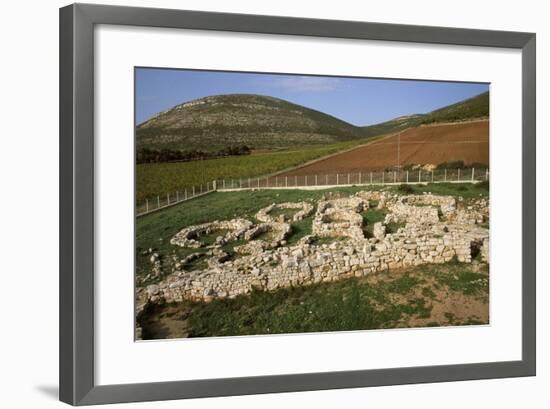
(434, 144)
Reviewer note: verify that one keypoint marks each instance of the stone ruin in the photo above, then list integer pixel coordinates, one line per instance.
(305, 209)
(275, 234)
(340, 218)
(436, 230)
(420, 209)
(190, 236)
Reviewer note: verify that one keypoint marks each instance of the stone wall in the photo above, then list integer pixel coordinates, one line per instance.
(307, 264)
(278, 232)
(340, 218)
(190, 236)
(305, 209)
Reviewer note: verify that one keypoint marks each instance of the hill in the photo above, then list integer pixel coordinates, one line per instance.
(472, 108)
(476, 107)
(259, 122)
(218, 123)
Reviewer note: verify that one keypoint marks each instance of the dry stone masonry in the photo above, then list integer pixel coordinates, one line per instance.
(304, 209)
(190, 236)
(437, 229)
(340, 218)
(275, 233)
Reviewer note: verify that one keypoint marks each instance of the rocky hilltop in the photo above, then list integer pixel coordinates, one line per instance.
(216, 122)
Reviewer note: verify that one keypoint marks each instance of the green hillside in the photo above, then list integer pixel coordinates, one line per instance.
(472, 108)
(476, 107)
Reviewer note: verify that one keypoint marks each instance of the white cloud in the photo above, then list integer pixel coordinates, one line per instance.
(306, 84)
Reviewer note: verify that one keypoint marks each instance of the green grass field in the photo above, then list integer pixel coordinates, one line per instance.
(160, 178)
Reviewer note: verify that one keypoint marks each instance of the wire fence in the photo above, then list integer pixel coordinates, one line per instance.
(386, 177)
(169, 199)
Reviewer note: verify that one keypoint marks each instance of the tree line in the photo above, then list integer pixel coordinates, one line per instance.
(146, 155)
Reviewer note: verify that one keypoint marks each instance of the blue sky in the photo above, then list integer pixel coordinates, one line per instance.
(359, 101)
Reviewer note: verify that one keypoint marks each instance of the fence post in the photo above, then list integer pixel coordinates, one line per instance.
(295, 180)
(359, 177)
(177, 195)
(383, 175)
(326, 179)
(486, 174)
(214, 185)
(432, 175)
(276, 181)
(473, 173)
(315, 180)
(407, 177)
(193, 191)
(286, 181)
(445, 175)
(371, 178)
(240, 183)
(458, 176)
(305, 179)
(158, 201)
(258, 182)
(419, 175)
(337, 179)
(223, 184)
(167, 198)
(185, 194)
(146, 205)
(394, 177)
(348, 179)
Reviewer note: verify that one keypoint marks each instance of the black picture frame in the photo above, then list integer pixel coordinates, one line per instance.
(77, 21)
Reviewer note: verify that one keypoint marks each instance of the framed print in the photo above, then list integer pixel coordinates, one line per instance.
(242, 195)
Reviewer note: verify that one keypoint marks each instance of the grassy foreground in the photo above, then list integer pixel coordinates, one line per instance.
(431, 295)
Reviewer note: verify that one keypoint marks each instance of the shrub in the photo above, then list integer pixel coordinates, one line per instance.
(405, 189)
(456, 164)
(146, 155)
